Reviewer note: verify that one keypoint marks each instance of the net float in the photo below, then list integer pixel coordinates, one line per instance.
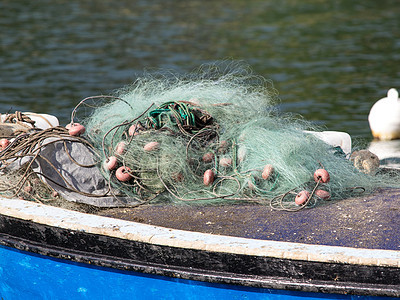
(324, 195)
(302, 197)
(208, 177)
(384, 117)
(321, 175)
(134, 129)
(208, 157)
(267, 171)
(223, 147)
(110, 163)
(4, 144)
(121, 147)
(151, 146)
(225, 161)
(75, 129)
(123, 174)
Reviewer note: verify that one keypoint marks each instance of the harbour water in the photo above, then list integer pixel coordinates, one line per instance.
(330, 60)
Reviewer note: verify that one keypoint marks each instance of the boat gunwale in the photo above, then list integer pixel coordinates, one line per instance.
(134, 231)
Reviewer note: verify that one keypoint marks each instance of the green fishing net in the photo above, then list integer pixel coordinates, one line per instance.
(206, 138)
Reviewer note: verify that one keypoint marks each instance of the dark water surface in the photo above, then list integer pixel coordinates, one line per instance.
(329, 59)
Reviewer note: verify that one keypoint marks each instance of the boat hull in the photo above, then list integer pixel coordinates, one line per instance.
(26, 275)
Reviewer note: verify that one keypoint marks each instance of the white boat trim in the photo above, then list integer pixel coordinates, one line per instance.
(77, 221)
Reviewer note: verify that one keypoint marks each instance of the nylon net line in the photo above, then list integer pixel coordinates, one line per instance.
(215, 137)
(210, 137)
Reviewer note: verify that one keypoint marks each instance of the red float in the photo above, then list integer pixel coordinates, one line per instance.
(123, 174)
(208, 177)
(75, 129)
(321, 175)
(121, 147)
(324, 195)
(151, 146)
(4, 144)
(302, 197)
(178, 177)
(111, 163)
(208, 157)
(225, 162)
(223, 147)
(267, 171)
(133, 130)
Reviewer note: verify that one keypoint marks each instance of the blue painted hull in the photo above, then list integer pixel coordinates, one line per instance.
(31, 276)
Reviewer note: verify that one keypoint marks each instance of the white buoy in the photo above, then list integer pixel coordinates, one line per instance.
(384, 117)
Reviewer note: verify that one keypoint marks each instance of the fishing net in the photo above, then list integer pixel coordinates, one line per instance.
(209, 137)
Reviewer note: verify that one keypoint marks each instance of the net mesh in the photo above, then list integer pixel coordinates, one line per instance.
(207, 137)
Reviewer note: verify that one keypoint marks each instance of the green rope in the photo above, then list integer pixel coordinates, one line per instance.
(182, 113)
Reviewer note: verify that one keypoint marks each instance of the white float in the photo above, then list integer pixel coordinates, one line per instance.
(384, 117)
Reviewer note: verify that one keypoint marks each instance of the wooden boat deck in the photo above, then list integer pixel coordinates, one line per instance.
(367, 221)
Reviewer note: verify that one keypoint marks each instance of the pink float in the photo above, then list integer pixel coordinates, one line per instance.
(151, 146)
(208, 157)
(302, 197)
(111, 163)
(4, 144)
(225, 162)
(121, 147)
(223, 147)
(267, 172)
(208, 177)
(75, 129)
(324, 195)
(251, 185)
(321, 175)
(123, 174)
(133, 130)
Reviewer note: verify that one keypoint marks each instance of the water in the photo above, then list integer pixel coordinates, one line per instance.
(330, 60)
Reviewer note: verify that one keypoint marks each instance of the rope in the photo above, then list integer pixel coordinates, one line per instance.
(19, 117)
(30, 145)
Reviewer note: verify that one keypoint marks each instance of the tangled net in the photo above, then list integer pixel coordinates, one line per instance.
(211, 137)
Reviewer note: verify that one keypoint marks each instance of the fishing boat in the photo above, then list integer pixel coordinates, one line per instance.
(193, 189)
